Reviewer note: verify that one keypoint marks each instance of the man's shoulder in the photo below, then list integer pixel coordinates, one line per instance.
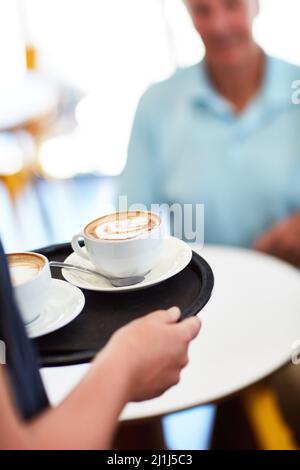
(286, 69)
(182, 76)
(169, 90)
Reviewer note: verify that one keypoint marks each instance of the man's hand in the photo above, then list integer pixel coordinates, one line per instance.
(152, 351)
(283, 240)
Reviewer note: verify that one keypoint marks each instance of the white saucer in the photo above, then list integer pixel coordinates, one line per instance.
(176, 256)
(65, 303)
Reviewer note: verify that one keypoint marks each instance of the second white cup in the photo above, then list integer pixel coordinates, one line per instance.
(31, 278)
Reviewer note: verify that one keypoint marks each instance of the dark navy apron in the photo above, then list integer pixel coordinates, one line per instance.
(21, 359)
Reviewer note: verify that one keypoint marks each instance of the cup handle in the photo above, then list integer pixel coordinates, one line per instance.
(77, 248)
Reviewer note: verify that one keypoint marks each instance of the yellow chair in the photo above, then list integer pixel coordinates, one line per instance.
(266, 420)
(17, 156)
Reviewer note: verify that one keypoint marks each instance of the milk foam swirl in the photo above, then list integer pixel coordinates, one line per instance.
(23, 267)
(123, 225)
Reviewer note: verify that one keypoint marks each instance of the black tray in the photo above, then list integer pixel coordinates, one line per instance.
(104, 313)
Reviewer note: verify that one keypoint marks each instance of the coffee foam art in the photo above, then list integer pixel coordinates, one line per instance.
(123, 226)
(24, 267)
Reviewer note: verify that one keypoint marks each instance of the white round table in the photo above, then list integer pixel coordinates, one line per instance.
(248, 331)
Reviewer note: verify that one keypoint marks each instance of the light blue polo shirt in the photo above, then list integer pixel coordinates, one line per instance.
(188, 146)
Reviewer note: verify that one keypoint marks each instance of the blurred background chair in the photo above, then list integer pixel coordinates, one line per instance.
(268, 425)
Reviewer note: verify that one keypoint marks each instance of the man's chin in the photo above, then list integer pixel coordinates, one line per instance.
(230, 59)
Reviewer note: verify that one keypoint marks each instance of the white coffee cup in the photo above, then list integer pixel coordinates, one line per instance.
(122, 244)
(31, 279)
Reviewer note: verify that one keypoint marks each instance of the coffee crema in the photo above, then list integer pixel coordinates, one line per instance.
(122, 225)
(24, 267)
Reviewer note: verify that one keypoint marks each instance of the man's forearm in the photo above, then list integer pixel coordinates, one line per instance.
(87, 418)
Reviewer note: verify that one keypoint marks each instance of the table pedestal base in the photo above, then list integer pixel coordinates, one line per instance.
(232, 430)
(140, 436)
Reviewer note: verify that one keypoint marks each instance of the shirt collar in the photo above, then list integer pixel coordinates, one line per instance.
(274, 93)
(202, 91)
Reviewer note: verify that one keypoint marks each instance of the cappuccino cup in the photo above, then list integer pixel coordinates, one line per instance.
(122, 244)
(31, 280)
